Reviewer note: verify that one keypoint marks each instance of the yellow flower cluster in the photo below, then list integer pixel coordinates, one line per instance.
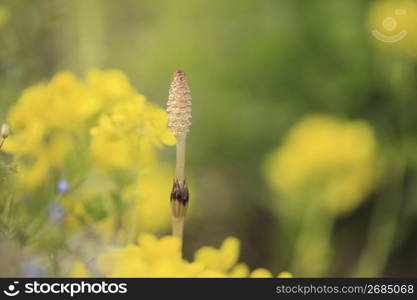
(101, 136)
(150, 209)
(162, 258)
(127, 135)
(51, 120)
(330, 159)
(393, 24)
(43, 121)
(145, 201)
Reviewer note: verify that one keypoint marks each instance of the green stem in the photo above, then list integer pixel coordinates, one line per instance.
(381, 233)
(312, 249)
(132, 233)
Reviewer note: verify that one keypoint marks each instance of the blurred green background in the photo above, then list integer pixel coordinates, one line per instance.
(255, 68)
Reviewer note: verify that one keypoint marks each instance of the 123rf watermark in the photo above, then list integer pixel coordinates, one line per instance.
(366, 289)
(64, 288)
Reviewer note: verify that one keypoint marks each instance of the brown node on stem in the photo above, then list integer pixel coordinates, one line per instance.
(179, 199)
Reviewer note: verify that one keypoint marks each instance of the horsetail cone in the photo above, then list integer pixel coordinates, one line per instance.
(179, 115)
(179, 105)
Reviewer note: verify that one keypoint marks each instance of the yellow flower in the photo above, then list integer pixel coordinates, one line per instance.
(219, 259)
(70, 102)
(261, 273)
(43, 122)
(149, 259)
(129, 134)
(109, 147)
(111, 85)
(4, 15)
(285, 275)
(51, 122)
(393, 24)
(145, 206)
(332, 159)
(162, 258)
(240, 270)
(149, 209)
(32, 175)
(63, 103)
(79, 270)
(59, 145)
(90, 204)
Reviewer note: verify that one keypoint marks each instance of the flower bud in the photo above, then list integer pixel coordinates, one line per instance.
(5, 131)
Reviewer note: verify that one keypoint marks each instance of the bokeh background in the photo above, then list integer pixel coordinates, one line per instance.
(304, 135)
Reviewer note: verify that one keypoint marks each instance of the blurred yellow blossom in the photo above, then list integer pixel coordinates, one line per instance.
(63, 103)
(109, 147)
(4, 15)
(32, 175)
(149, 209)
(79, 270)
(44, 121)
(331, 159)
(89, 204)
(285, 275)
(393, 24)
(52, 122)
(261, 273)
(99, 138)
(144, 202)
(219, 259)
(162, 258)
(111, 85)
(128, 135)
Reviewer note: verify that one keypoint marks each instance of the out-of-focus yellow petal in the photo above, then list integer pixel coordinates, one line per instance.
(260, 273)
(79, 270)
(285, 275)
(241, 270)
(229, 251)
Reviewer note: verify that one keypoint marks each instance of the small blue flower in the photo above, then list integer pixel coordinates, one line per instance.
(62, 186)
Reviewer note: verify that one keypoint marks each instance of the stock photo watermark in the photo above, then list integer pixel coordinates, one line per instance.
(390, 24)
(71, 289)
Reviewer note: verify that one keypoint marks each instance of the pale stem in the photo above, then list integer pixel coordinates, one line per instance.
(178, 228)
(180, 159)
